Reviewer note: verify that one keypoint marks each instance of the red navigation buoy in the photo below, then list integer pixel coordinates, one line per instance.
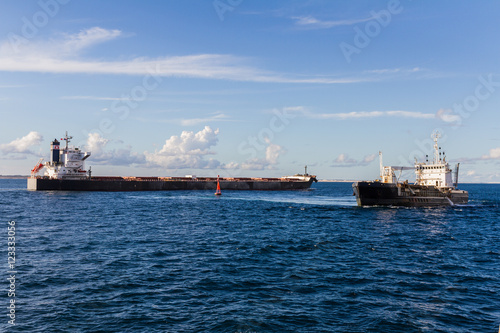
(218, 192)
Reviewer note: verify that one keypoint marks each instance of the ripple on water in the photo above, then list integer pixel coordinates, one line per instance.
(252, 261)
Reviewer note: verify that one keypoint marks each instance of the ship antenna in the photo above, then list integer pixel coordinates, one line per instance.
(456, 174)
(381, 164)
(305, 170)
(67, 139)
(436, 135)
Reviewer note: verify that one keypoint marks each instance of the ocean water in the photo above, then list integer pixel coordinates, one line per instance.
(306, 261)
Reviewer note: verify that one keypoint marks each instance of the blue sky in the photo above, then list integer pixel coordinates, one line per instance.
(251, 88)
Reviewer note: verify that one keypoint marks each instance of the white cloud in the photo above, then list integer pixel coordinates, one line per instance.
(87, 38)
(493, 155)
(273, 152)
(314, 23)
(394, 70)
(343, 160)
(300, 110)
(65, 46)
(375, 114)
(195, 121)
(447, 116)
(92, 98)
(369, 158)
(64, 55)
(96, 144)
(186, 151)
(22, 145)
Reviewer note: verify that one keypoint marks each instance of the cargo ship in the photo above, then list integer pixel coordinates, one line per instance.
(66, 172)
(433, 186)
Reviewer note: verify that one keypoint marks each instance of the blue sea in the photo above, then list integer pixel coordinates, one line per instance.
(304, 261)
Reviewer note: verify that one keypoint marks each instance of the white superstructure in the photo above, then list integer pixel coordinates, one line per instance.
(437, 174)
(305, 177)
(66, 163)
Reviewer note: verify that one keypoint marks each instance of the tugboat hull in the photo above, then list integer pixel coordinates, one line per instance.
(402, 194)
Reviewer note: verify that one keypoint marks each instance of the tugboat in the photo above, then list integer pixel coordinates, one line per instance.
(433, 185)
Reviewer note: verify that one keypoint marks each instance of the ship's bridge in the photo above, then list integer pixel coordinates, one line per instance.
(66, 163)
(438, 175)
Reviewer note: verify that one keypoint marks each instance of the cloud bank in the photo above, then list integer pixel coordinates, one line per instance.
(189, 150)
(343, 160)
(96, 144)
(302, 111)
(493, 155)
(310, 22)
(22, 145)
(273, 152)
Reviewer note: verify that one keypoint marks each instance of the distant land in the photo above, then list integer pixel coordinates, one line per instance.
(336, 181)
(13, 177)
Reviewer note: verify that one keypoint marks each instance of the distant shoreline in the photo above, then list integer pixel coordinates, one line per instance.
(14, 177)
(336, 181)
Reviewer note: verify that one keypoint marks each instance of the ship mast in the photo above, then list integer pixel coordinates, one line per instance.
(381, 164)
(67, 139)
(436, 135)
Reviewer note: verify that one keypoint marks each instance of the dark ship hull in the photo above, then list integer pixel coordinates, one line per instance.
(403, 194)
(111, 184)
